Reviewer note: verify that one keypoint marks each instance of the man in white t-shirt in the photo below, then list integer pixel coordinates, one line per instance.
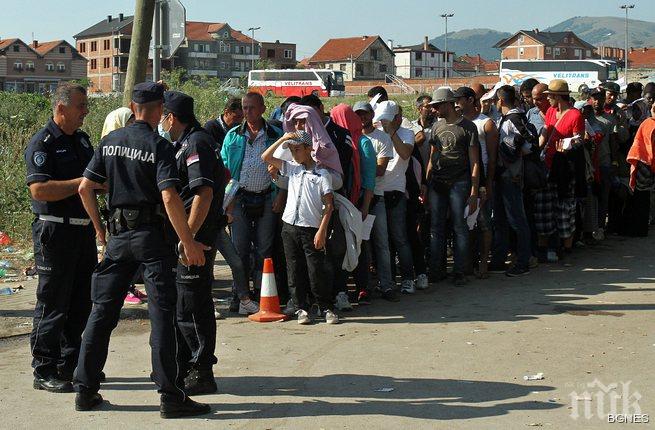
(383, 147)
(395, 186)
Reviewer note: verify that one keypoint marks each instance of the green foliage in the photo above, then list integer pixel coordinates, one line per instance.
(22, 115)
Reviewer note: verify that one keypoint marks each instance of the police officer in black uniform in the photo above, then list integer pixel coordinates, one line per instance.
(202, 178)
(64, 242)
(137, 167)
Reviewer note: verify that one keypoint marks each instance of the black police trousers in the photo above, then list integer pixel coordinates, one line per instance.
(126, 251)
(65, 256)
(195, 315)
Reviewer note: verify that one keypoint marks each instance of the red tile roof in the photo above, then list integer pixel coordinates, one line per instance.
(642, 58)
(242, 37)
(341, 49)
(4, 43)
(200, 30)
(45, 47)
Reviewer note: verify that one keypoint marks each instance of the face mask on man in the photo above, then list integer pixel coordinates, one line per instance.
(166, 134)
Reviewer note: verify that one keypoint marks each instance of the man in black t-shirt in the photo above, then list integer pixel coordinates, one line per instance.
(453, 176)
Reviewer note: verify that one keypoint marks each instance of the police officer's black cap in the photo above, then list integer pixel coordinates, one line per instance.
(146, 92)
(464, 92)
(178, 103)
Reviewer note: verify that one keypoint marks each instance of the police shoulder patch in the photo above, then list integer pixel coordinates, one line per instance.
(39, 158)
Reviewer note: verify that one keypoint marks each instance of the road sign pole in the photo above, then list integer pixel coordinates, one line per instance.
(156, 57)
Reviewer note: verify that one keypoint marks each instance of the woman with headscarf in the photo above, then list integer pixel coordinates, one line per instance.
(361, 192)
(116, 119)
(119, 118)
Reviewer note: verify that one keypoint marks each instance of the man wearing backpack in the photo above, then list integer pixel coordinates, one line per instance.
(516, 136)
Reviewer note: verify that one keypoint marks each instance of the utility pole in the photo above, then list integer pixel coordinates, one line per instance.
(446, 16)
(626, 7)
(156, 54)
(252, 46)
(138, 60)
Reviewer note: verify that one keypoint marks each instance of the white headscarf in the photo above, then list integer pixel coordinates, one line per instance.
(116, 119)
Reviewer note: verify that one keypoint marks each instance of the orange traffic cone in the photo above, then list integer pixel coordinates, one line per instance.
(269, 304)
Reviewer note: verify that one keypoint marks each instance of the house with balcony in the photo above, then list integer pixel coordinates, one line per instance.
(38, 67)
(360, 58)
(422, 61)
(545, 45)
(216, 50)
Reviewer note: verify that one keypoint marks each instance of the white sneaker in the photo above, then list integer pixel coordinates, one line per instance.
(331, 317)
(248, 308)
(342, 303)
(303, 317)
(407, 287)
(422, 282)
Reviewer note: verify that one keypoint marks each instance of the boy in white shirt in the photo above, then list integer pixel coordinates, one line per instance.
(305, 220)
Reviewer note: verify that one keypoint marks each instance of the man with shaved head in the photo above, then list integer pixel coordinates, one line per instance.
(537, 114)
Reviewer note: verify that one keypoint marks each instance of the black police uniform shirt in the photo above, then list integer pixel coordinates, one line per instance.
(198, 165)
(54, 155)
(138, 165)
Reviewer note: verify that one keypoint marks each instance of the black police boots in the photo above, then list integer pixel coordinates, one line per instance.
(179, 409)
(53, 385)
(200, 382)
(87, 400)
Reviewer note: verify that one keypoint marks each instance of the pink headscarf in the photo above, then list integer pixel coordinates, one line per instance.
(344, 116)
(325, 153)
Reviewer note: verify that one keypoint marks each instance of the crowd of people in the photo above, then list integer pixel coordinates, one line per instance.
(347, 202)
(502, 178)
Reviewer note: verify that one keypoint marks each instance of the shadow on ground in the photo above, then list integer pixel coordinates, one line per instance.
(443, 399)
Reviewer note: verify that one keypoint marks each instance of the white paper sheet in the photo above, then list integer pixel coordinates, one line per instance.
(367, 227)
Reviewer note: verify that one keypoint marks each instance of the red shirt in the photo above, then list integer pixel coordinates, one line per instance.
(571, 124)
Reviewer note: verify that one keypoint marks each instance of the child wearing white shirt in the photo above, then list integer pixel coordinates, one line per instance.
(305, 219)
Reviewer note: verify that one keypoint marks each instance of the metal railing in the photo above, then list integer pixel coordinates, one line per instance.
(398, 82)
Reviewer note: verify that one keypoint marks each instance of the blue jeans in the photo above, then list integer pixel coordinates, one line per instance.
(259, 232)
(400, 239)
(380, 242)
(455, 200)
(509, 212)
(225, 246)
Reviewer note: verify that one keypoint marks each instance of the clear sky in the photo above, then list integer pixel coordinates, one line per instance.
(309, 23)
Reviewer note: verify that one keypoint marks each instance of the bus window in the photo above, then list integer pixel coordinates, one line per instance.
(612, 73)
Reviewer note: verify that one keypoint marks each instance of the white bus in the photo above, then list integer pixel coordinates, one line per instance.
(297, 82)
(575, 72)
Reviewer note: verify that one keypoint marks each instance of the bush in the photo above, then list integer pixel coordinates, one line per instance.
(22, 115)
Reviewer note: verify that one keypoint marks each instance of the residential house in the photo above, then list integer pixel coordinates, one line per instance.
(38, 67)
(106, 46)
(545, 45)
(364, 57)
(216, 49)
(422, 61)
(210, 49)
(279, 55)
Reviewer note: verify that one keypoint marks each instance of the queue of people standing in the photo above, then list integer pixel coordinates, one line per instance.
(506, 179)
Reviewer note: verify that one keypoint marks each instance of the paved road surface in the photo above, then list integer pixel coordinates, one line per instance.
(448, 358)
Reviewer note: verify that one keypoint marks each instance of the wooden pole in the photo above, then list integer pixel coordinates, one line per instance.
(137, 63)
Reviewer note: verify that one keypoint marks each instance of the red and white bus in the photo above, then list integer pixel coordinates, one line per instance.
(297, 82)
